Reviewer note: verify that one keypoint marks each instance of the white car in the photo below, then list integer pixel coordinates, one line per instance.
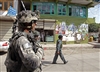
(4, 45)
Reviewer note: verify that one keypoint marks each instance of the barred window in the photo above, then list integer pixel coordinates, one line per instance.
(61, 9)
(77, 11)
(5, 5)
(44, 8)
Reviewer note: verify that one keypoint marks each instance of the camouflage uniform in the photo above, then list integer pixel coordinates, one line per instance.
(36, 44)
(20, 56)
(33, 33)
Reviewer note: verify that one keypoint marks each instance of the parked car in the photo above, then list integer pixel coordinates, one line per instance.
(4, 45)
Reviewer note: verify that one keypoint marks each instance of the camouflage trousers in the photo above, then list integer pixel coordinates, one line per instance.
(25, 70)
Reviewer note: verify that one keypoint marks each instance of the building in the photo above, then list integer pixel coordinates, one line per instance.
(5, 4)
(6, 21)
(54, 12)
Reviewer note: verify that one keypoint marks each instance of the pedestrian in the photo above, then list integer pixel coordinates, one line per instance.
(20, 56)
(42, 36)
(59, 51)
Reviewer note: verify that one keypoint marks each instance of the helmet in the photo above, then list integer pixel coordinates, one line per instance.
(36, 33)
(27, 16)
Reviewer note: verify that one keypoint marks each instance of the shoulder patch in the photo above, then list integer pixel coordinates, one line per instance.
(27, 46)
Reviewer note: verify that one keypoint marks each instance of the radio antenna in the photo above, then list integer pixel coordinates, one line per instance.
(23, 5)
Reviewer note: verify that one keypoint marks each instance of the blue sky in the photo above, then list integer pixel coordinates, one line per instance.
(94, 12)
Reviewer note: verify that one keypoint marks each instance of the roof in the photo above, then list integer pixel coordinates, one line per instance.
(83, 2)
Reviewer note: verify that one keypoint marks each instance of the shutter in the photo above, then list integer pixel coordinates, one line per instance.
(46, 24)
(39, 24)
(49, 25)
(5, 30)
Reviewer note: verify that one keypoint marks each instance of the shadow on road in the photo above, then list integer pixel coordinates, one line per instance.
(2, 53)
(46, 63)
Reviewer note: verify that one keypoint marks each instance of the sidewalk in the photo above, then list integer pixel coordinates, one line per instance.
(95, 44)
(89, 45)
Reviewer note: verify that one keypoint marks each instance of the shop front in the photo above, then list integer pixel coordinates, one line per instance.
(46, 28)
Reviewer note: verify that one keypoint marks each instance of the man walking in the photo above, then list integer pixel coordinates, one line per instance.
(59, 50)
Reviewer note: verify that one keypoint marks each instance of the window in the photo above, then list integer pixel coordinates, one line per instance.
(61, 9)
(70, 11)
(77, 11)
(44, 8)
(0, 5)
(4, 5)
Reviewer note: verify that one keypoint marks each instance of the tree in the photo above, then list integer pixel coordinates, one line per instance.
(94, 27)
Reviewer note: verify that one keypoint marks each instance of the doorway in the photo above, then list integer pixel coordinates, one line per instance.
(46, 35)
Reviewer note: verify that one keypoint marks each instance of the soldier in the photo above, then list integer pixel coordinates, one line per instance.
(36, 34)
(36, 39)
(20, 56)
(58, 50)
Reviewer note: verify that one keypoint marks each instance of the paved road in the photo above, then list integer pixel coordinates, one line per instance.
(2, 58)
(80, 60)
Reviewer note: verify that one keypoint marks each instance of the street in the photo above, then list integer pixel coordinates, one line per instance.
(79, 60)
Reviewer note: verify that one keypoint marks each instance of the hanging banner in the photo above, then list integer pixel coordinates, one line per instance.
(61, 28)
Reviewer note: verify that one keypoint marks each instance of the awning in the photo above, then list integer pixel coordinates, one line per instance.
(7, 18)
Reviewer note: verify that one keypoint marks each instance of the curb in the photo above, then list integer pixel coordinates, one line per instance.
(95, 44)
(53, 47)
